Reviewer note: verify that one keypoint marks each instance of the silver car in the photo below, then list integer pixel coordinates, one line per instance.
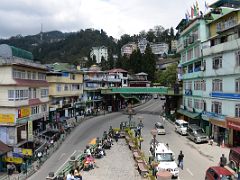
(160, 128)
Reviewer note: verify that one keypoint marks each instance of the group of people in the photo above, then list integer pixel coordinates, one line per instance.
(74, 174)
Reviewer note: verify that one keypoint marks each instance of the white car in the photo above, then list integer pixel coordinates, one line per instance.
(181, 126)
(166, 159)
(160, 128)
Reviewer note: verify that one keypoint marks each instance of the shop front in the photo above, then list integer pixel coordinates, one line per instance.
(219, 131)
(233, 124)
(189, 115)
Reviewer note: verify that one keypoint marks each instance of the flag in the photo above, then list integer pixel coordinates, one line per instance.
(197, 8)
(206, 5)
(187, 15)
(192, 12)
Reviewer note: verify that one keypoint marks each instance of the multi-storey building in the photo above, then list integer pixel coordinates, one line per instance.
(23, 97)
(65, 91)
(211, 71)
(221, 55)
(159, 49)
(128, 49)
(142, 44)
(192, 33)
(98, 53)
(120, 74)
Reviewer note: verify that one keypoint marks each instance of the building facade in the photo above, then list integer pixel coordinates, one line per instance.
(128, 49)
(98, 53)
(24, 97)
(65, 92)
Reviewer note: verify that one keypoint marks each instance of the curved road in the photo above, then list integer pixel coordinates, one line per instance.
(198, 157)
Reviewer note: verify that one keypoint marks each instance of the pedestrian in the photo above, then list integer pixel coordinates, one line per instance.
(223, 161)
(180, 160)
(150, 156)
(70, 175)
(77, 174)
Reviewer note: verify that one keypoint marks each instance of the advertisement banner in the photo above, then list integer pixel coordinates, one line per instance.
(15, 160)
(7, 118)
(30, 131)
(24, 112)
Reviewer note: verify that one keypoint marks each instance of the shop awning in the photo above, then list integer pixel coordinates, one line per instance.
(189, 114)
(4, 148)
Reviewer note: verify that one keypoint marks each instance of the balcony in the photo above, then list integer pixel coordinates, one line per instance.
(226, 25)
(223, 47)
(89, 78)
(192, 75)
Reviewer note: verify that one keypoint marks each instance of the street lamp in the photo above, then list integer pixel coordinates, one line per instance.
(130, 113)
(154, 134)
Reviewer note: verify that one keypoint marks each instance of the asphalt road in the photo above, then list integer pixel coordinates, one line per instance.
(197, 157)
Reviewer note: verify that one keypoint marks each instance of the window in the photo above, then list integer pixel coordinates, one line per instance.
(190, 68)
(184, 57)
(11, 96)
(189, 102)
(189, 54)
(237, 54)
(41, 76)
(29, 75)
(72, 76)
(189, 85)
(217, 107)
(34, 91)
(59, 88)
(34, 76)
(217, 62)
(198, 104)
(34, 110)
(19, 74)
(197, 52)
(44, 93)
(66, 87)
(15, 95)
(44, 108)
(197, 85)
(217, 85)
(237, 110)
(203, 85)
(237, 85)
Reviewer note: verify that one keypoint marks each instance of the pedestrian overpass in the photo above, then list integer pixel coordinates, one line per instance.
(140, 90)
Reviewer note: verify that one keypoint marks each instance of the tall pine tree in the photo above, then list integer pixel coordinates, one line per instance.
(149, 63)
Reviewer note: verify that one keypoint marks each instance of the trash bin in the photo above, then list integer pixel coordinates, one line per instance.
(109, 108)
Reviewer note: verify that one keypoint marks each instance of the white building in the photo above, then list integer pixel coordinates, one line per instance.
(159, 48)
(128, 49)
(99, 52)
(142, 44)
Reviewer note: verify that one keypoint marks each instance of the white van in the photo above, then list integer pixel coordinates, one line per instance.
(181, 126)
(166, 159)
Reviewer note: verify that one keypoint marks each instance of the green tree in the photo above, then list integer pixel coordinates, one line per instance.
(135, 61)
(110, 61)
(104, 64)
(149, 63)
(167, 77)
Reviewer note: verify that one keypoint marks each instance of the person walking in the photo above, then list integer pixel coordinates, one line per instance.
(223, 161)
(180, 160)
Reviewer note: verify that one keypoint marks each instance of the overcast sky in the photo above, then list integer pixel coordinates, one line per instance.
(116, 17)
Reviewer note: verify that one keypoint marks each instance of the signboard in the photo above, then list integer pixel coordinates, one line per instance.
(16, 160)
(233, 123)
(24, 112)
(7, 118)
(30, 131)
(23, 134)
(27, 152)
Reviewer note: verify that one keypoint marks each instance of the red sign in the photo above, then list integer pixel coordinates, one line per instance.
(233, 124)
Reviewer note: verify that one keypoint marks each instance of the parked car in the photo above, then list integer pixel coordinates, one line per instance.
(181, 126)
(234, 157)
(160, 128)
(218, 173)
(163, 98)
(196, 134)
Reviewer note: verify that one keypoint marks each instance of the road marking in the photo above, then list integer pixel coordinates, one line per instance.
(148, 106)
(65, 162)
(63, 154)
(188, 170)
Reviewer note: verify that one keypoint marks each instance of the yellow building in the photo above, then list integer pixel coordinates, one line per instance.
(23, 97)
(65, 91)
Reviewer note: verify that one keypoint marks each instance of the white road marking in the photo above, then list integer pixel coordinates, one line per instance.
(63, 154)
(148, 106)
(65, 162)
(188, 170)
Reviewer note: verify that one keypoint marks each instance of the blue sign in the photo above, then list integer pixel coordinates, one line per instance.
(225, 95)
(213, 115)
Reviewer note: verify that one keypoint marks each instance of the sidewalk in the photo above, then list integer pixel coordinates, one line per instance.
(118, 164)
